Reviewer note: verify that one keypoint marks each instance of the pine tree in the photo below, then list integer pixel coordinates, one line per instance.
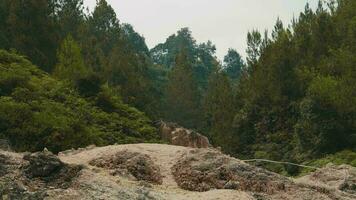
(182, 94)
(219, 110)
(104, 26)
(31, 30)
(70, 64)
(100, 34)
(70, 17)
(233, 64)
(127, 70)
(254, 41)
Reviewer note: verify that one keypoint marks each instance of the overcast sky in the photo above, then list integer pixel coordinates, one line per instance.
(224, 22)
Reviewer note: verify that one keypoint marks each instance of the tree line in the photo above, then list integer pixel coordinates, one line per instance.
(293, 99)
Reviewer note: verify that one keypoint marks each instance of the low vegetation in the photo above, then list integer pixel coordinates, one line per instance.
(38, 111)
(344, 157)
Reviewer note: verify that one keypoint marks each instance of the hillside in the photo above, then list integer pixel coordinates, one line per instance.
(72, 76)
(153, 171)
(38, 111)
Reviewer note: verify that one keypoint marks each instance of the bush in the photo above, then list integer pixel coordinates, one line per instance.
(89, 85)
(344, 157)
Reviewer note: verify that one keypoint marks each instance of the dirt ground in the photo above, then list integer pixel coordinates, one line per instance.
(165, 156)
(97, 181)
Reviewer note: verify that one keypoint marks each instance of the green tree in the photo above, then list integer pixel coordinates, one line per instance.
(101, 33)
(135, 39)
(219, 110)
(202, 56)
(182, 93)
(127, 70)
(165, 54)
(204, 64)
(233, 64)
(38, 111)
(254, 41)
(70, 64)
(31, 29)
(71, 17)
(296, 102)
(104, 25)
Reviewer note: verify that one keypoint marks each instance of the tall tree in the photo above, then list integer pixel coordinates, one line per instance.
(233, 64)
(165, 54)
(204, 63)
(128, 70)
(219, 110)
(254, 41)
(182, 93)
(136, 40)
(70, 64)
(297, 99)
(101, 35)
(71, 17)
(202, 56)
(31, 30)
(104, 25)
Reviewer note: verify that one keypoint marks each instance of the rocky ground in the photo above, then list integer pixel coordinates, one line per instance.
(154, 172)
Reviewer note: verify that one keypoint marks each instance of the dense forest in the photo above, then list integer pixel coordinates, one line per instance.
(70, 78)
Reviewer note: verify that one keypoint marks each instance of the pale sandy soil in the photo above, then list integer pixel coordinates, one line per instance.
(94, 183)
(164, 156)
(97, 183)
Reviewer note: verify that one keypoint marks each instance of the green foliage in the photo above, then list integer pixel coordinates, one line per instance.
(233, 64)
(60, 37)
(83, 47)
(89, 85)
(70, 61)
(297, 100)
(219, 110)
(293, 101)
(137, 41)
(344, 157)
(165, 54)
(202, 62)
(128, 70)
(120, 56)
(37, 111)
(339, 158)
(70, 17)
(201, 56)
(104, 28)
(30, 28)
(254, 41)
(182, 93)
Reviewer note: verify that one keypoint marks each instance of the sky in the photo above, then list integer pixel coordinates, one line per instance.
(224, 22)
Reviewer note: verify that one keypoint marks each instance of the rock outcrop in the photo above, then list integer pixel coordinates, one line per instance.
(32, 176)
(158, 172)
(177, 135)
